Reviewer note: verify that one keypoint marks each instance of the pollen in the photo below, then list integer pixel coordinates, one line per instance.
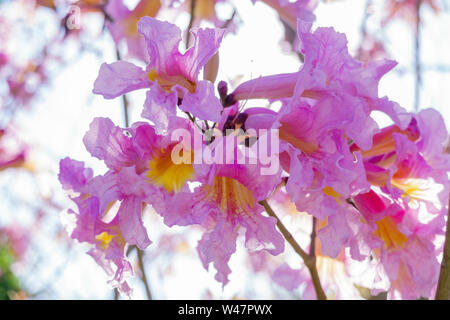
(152, 75)
(104, 239)
(167, 82)
(412, 188)
(165, 173)
(388, 232)
(329, 191)
(231, 196)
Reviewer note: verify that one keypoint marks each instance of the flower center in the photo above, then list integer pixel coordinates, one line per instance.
(286, 134)
(165, 173)
(104, 239)
(230, 195)
(388, 232)
(384, 143)
(166, 82)
(329, 191)
(419, 190)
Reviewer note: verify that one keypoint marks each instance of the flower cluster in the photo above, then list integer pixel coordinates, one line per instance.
(14, 243)
(378, 196)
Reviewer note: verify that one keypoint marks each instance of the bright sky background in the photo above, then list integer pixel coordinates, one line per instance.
(58, 122)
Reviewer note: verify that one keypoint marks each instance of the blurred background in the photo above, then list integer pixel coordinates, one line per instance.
(47, 71)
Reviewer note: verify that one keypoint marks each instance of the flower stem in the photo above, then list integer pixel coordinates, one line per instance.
(312, 246)
(443, 288)
(418, 69)
(124, 97)
(140, 255)
(309, 259)
(139, 251)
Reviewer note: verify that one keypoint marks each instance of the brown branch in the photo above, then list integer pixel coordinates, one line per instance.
(310, 261)
(139, 251)
(363, 28)
(124, 98)
(140, 255)
(225, 25)
(312, 246)
(443, 288)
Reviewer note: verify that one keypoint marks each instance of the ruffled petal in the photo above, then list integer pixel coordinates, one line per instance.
(287, 277)
(261, 234)
(162, 39)
(206, 44)
(160, 107)
(108, 142)
(131, 224)
(203, 103)
(73, 175)
(217, 246)
(118, 78)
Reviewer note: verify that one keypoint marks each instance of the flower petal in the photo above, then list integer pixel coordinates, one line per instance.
(118, 78)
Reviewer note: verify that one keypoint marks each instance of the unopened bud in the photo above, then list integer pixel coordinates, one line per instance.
(222, 87)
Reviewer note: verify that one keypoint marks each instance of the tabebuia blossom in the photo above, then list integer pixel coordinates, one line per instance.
(290, 11)
(332, 96)
(140, 171)
(404, 254)
(170, 75)
(14, 244)
(205, 10)
(407, 9)
(16, 238)
(329, 69)
(376, 197)
(406, 205)
(410, 163)
(12, 157)
(225, 203)
(124, 24)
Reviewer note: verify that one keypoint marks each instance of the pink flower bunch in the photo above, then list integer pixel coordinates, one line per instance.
(11, 157)
(379, 195)
(16, 238)
(290, 11)
(123, 24)
(407, 9)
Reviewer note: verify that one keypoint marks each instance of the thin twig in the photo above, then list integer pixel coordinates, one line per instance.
(418, 80)
(363, 27)
(139, 251)
(144, 276)
(290, 36)
(225, 25)
(124, 98)
(443, 288)
(193, 120)
(312, 246)
(310, 261)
